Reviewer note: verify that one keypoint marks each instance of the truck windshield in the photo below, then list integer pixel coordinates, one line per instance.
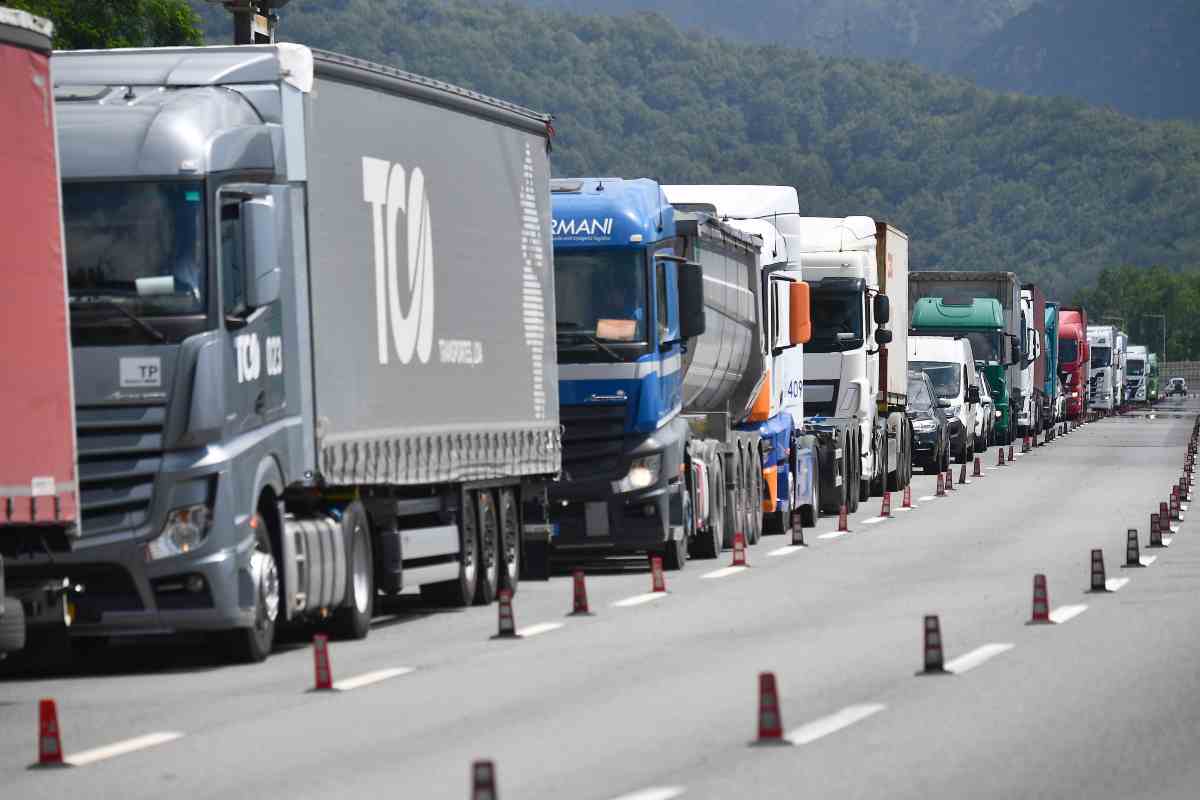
(946, 377)
(1101, 356)
(136, 248)
(837, 318)
(1068, 351)
(918, 396)
(1136, 367)
(986, 346)
(601, 298)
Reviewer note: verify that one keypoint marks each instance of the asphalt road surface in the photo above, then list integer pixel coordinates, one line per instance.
(655, 699)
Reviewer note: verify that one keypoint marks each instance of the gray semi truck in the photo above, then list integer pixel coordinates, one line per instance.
(311, 305)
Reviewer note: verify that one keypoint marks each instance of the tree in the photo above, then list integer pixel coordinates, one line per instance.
(88, 24)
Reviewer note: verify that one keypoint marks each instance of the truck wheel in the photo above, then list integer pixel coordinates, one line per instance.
(488, 582)
(810, 514)
(253, 644)
(12, 626)
(675, 553)
(879, 480)
(510, 540)
(708, 544)
(353, 621)
(460, 592)
(864, 481)
(727, 515)
(754, 483)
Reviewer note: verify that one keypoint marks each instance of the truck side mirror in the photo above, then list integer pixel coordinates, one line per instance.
(883, 336)
(262, 272)
(800, 312)
(972, 394)
(1014, 350)
(882, 308)
(691, 300)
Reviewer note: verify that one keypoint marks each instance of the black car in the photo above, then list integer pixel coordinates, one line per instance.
(931, 431)
(1177, 386)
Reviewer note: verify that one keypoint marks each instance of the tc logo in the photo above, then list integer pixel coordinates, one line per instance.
(389, 193)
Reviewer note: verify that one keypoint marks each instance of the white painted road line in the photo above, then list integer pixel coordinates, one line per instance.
(1115, 584)
(367, 678)
(833, 723)
(541, 627)
(786, 550)
(1064, 613)
(723, 572)
(833, 534)
(122, 748)
(969, 661)
(1147, 560)
(639, 599)
(654, 793)
(926, 498)
(874, 520)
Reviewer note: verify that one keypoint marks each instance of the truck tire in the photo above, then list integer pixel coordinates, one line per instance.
(810, 514)
(721, 496)
(709, 543)
(754, 483)
(510, 540)
(12, 626)
(460, 592)
(353, 620)
(254, 644)
(879, 480)
(488, 581)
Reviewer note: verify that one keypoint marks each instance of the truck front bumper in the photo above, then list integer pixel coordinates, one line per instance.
(120, 593)
(591, 517)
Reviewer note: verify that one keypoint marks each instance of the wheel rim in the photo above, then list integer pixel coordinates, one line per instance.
(510, 535)
(469, 565)
(266, 581)
(487, 541)
(362, 578)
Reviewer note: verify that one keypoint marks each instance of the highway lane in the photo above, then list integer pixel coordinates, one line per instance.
(662, 694)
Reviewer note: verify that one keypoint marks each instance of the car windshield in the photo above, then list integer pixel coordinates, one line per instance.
(600, 294)
(837, 317)
(985, 346)
(139, 246)
(1101, 356)
(1136, 367)
(1068, 351)
(918, 396)
(946, 377)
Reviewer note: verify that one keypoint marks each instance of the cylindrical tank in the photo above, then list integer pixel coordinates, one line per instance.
(723, 365)
(37, 453)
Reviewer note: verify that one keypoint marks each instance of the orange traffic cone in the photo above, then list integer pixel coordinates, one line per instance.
(483, 781)
(324, 673)
(50, 752)
(1041, 602)
(657, 583)
(978, 471)
(885, 508)
(1156, 540)
(933, 647)
(906, 502)
(1099, 580)
(1133, 555)
(739, 550)
(962, 474)
(770, 722)
(999, 456)
(843, 519)
(949, 480)
(580, 604)
(1010, 452)
(941, 485)
(508, 624)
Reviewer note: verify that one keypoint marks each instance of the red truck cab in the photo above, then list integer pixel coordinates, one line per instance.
(1074, 359)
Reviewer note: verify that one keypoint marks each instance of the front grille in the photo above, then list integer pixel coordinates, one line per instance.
(593, 440)
(120, 453)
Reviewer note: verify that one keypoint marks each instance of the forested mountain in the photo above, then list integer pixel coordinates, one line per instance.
(1140, 56)
(1049, 188)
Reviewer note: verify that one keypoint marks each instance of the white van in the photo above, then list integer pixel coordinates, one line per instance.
(950, 365)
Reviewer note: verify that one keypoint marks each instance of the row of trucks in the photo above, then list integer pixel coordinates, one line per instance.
(282, 361)
(281, 357)
(1121, 374)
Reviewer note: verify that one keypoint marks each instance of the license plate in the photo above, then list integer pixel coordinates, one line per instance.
(596, 519)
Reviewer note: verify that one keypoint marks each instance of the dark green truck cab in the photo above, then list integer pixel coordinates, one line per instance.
(982, 322)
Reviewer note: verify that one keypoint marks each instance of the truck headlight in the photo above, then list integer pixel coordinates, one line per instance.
(925, 426)
(643, 472)
(185, 530)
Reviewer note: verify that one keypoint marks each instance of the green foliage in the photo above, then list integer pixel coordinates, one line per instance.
(1051, 189)
(1124, 296)
(92, 24)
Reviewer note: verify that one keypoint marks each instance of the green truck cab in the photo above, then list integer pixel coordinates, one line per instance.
(1152, 379)
(982, 322)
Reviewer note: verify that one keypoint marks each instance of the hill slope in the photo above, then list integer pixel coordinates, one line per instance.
(1051, 189)
(1140, 57)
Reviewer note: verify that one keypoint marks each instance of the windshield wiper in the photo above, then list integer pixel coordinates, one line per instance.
(146, 327)
(571, 331)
